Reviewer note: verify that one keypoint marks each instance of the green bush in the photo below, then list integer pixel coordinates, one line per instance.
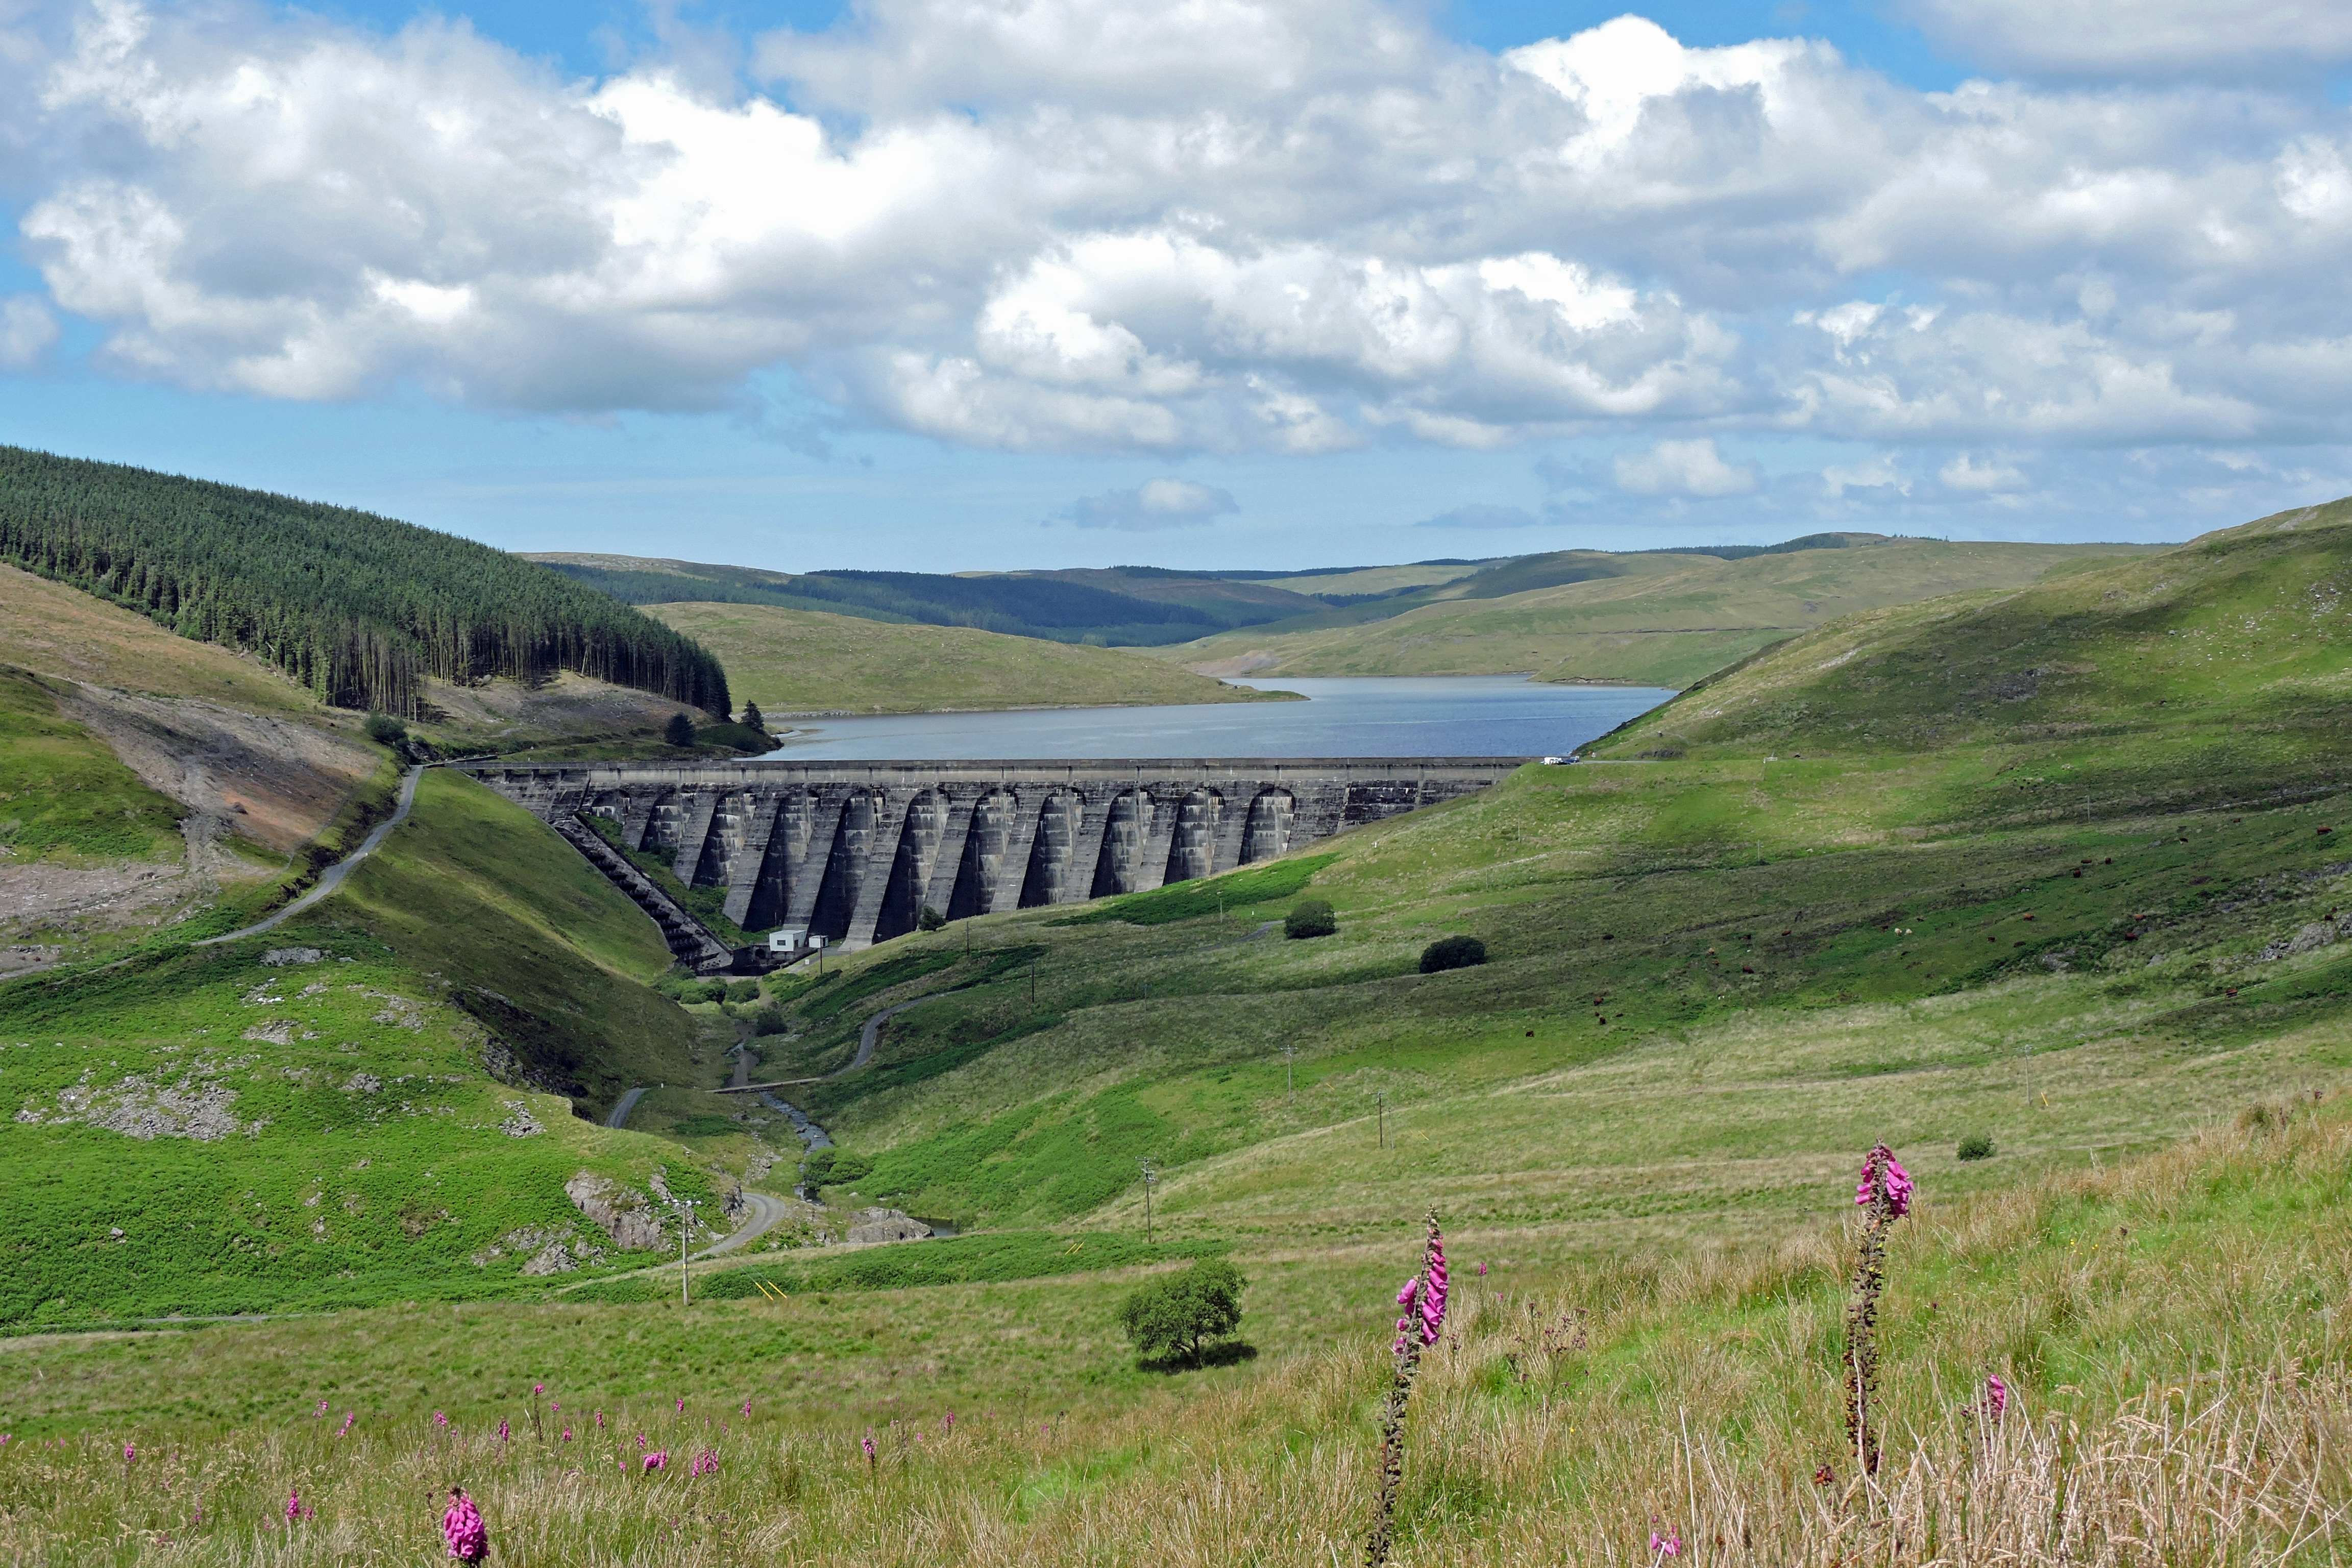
(742, 991)
(679, 730)
(385, 730)
(1451, 953)
(1179, 1313)
(1976, 1146)
(930, 919)
(741, 736)
(836, 1168)
(1310, 917)
(769, 1020)
(705, 1126)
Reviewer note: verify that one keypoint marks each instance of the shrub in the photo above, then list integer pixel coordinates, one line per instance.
(742, 991)
(679, 730)
(741, 737)
(1976, 1146)
(385, 730)
(1310, 917)
(1179, 1313)
(1451, 953)
(769, 1020)
(930, 919)
(752, 719)
(836, 1168)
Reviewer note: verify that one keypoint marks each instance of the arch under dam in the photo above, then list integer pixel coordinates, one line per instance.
(854, 850)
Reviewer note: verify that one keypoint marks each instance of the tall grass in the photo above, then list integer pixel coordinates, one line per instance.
(2203, 1418)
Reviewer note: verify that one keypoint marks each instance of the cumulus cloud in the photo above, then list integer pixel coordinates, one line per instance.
(1210, 227)
(1684, 469)
(2109, 38)
(1481, 515)
(1153, 506)
(1964, 472)
(27, 330)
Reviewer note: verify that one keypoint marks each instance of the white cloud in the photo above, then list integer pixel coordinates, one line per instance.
(1155, 505)
(2109, 38)
(1479, 514)
(1208, 226)
(1684, 469)
(1965, 473)
(27, 330)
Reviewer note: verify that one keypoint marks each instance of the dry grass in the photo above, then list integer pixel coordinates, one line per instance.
(2201, 1422)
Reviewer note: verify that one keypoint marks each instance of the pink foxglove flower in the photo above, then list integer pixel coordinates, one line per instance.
(947, 1421)
(706, 1463)
(345, 1429)
(681, 1405)
(1881, 1170)
(747, 1407)
(600, 1421)
(1433, 1300)
(866, 1443)
(537, 1389)
(641, 1441)
(1482, 1271)
(1670, 1544)
(294, 1509)
(129, 1453)
(567, 1434)
(504, 1434)
(440, 1420)
(656, 1460)
(1996, 1396)
(462, 1528)
(320, 1413)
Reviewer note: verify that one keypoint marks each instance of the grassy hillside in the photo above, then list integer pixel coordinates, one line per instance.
(2227, 653)
(351, 1097)
(796, 661)
(1651, 619)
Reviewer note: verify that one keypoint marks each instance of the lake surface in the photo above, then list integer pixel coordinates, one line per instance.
(1394, 715)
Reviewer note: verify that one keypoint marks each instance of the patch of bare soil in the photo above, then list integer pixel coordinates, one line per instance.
(35, 893)
(1239, 664)
(569, 705)
(275, 780)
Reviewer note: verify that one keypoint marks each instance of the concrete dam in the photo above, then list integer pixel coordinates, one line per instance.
(854, 850)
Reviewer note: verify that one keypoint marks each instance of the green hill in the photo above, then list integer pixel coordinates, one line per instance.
(2233, 645)
(1650, 618)
(791, 661)
(358, 608)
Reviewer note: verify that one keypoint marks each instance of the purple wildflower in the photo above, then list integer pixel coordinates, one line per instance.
(747, 1407)
(656, 1460)
(537, 1389)
(641, 1440)
(866, 1443)
(129, 1453)
(706, 1463)
(1882, 1172)
(1482, 1271)
(947, 1421)
(294, 1509)
(441, 1420)
(681, 1405)
(1996, 1397)
(462, 1527)
(1670, 1544)
(567, 1434)
(345, 1429)
(503, 1432)
(600, 1421)
(319, 1414)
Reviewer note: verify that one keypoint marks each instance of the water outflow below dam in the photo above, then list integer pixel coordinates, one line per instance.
(854, 850)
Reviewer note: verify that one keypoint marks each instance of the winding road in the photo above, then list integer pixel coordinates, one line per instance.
(332, 877)
(628, 1102)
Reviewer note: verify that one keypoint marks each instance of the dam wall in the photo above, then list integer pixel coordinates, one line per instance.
(854, 850)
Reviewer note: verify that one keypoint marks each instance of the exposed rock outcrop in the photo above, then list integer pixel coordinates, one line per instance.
(625, 1214)
(885, 1225)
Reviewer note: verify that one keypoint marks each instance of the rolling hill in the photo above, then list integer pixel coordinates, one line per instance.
(360, 609)
(809, 661)
(1654, 618)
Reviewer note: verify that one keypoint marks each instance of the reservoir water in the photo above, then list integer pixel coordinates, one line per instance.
(1387, 716)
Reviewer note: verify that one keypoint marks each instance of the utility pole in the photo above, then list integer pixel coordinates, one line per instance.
(685, 1207)
(1147, 1203)
(1381, 1100)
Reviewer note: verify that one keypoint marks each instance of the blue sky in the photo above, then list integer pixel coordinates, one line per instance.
(1248, 283)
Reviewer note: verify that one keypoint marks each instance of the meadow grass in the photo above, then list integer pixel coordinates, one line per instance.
(2165, 1326)
(61, 791)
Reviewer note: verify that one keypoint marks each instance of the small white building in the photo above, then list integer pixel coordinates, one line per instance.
(788, 940)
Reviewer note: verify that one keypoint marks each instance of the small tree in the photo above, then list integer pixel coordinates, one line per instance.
(752, 719)
(1310, 917)
(741, 991)
(930, 919)
(385, 730)
(1976, 1146)
(679, 730)
(1451, 953)
(1181, 1312)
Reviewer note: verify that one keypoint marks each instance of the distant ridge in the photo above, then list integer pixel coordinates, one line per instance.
(359, 608)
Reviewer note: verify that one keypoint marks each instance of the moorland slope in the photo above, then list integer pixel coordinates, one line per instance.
(1645, 618)
(808, 662)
